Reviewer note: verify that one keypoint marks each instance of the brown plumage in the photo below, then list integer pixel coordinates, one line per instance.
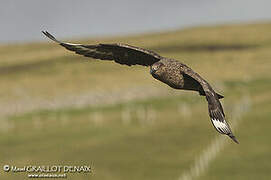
(172, 72)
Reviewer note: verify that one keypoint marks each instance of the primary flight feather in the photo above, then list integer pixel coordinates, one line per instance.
(171, 72)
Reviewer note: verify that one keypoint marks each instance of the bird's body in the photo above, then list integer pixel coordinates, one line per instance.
(173, 73)
(169, 71)
(170, 74)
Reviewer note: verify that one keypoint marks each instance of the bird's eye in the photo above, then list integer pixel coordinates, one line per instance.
(155, 67)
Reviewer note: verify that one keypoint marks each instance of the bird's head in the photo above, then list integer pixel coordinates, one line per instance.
(157, 68)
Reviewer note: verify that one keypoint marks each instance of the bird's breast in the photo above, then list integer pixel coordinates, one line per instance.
(171, 78)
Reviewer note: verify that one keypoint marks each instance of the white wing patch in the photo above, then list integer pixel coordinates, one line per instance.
(221, 126)
(72, 44)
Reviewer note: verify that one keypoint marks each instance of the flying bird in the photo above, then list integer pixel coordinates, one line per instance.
(169, 71)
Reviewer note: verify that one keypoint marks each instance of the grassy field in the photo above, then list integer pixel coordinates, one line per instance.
(58, 108)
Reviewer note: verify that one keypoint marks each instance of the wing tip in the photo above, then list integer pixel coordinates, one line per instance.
(233, 138)
(219, 96)
(50, 36)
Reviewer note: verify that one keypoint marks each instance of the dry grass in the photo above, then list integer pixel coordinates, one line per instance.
(76, 110)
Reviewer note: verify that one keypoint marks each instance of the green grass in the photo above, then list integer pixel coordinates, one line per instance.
(150, 138)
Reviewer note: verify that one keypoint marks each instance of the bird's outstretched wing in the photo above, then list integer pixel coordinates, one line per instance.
(215, 108)
(120, 53)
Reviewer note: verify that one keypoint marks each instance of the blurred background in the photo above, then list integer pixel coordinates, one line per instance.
(58, 108)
